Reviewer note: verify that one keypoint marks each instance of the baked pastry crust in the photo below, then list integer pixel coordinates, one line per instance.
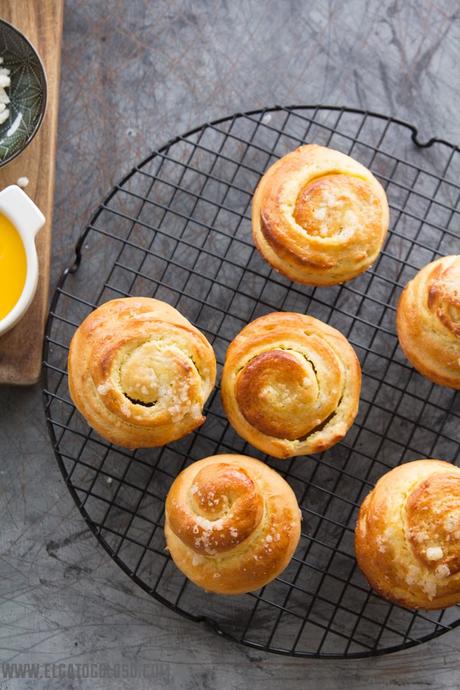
(319, 217)
(140, 373)
(428, 321)
(408, 535)
(291, 384)
(232, 523)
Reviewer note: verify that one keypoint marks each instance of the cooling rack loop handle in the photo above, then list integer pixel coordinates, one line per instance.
(420, 144)
(426, 144)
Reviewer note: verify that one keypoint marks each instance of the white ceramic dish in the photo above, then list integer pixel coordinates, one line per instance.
(27, 219)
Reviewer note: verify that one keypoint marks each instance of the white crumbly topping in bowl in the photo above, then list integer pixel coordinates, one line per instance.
(5, 83)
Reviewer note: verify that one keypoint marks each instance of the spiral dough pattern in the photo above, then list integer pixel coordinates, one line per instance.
(319, 217)
(140, 373)
(428, 321)
(232, 523)
(291, 384)
(408, 535)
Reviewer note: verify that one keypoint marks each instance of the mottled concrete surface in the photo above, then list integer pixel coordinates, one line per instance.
(135, 73)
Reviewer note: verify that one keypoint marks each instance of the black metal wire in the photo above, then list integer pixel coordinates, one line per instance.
(177, 227)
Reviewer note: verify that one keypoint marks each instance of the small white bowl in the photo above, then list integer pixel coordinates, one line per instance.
(27, 219)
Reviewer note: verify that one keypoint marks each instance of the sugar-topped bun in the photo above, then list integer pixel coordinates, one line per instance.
(232, 523)
(408, 535)
(140, 373)
(291, 384)
(428, 321)
(319, 217)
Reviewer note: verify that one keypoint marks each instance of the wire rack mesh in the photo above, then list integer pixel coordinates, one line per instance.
(177, 227)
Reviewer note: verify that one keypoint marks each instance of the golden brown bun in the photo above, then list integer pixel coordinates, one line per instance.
(232, 523)
(291, 384)
(140, 373)
(428, 321)
(319, 217)
(408, 535)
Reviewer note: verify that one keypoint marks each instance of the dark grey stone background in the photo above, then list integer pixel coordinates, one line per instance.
(135, 73)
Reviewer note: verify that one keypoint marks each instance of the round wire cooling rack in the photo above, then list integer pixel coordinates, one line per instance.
(177, 227)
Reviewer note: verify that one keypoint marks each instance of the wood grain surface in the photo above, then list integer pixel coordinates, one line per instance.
(41, 22)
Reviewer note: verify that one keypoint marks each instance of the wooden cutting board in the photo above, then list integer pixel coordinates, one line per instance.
(41, 21)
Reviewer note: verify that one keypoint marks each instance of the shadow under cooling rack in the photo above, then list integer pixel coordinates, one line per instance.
(177, 227)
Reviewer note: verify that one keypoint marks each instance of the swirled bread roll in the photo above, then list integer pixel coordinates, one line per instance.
(319, 217)
(428, 321)
(232, 523)
(140, 373)
(408, 535)
(291, 384)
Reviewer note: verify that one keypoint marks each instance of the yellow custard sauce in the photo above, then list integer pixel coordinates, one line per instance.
(13, 266)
